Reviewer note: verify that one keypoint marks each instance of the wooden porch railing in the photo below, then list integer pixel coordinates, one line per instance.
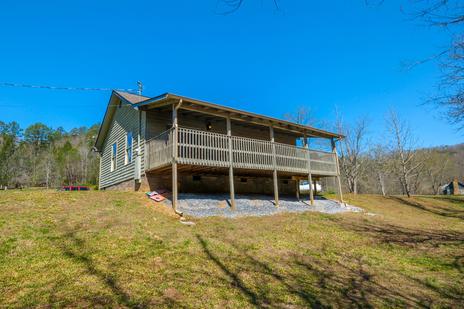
(204, 148)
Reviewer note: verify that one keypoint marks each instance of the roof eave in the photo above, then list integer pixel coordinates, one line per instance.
(166, 97)
(98, 144)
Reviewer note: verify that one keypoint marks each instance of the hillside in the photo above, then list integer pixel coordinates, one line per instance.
(108, 249)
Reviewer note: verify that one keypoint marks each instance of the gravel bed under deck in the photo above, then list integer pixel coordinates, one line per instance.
(207, 205)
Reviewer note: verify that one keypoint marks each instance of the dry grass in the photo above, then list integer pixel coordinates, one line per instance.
(115, 249)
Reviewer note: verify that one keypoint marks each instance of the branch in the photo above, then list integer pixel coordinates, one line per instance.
(235, 5)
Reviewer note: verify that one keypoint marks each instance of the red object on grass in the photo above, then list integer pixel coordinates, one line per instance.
(157, 197)
(75, 188)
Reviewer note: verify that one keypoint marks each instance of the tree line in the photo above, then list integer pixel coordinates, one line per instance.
(42, 156)
(396, 165)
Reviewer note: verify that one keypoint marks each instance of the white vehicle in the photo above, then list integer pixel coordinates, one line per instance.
(304, 186)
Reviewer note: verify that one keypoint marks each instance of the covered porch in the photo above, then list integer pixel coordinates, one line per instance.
(284, 157)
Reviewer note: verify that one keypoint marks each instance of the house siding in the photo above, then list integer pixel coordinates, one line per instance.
(160, 121)
(449, 189)
(128, 119)
(125, 119)
(142, 141)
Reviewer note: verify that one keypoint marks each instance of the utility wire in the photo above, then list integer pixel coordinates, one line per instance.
(7, 84)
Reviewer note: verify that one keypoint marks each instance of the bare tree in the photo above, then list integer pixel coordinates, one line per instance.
(437, 168)
(352, 151)
(452, 86)
(447, 14)
(403, 150)
(302, 115)
(380, 159)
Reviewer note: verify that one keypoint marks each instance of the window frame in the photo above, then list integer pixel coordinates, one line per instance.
(129, 151)
(113, 156)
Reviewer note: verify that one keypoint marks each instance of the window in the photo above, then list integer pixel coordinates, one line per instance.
(128, 153)
(114, 150)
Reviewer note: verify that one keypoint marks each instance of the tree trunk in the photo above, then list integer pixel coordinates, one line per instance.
(407, 189)
(381, 183)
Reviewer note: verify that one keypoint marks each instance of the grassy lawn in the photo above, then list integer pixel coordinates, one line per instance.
(116, 249)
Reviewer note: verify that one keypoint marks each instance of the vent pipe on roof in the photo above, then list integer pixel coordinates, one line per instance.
(139, 87)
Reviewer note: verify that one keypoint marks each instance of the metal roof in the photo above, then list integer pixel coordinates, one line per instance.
(130, 97)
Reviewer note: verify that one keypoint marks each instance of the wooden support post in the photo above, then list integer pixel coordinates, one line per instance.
(274, 163)
(311, 194)
(297, 189)
(310, 179)
(334, 150)
(231, 169)
(175, 133)
(315, 186)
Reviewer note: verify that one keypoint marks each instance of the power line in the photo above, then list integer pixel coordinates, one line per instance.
(18, 85)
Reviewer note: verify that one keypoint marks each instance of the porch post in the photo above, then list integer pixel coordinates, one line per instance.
(297, 188)
(310, 176)
(175, 131)
(231, 169)
(274, 163)
(334, 150)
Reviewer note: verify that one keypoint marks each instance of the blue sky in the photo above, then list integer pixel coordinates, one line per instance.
(321, 54)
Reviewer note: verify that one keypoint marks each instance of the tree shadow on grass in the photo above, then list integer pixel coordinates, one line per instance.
(453, 293)
(426, 241)
(337, 283)
(288, 281)
(78, 253)
(316, 282)
(75, 249)
(392, 234)
(256, 295)
(357, 286)
(458, 263)
(234, 278)
(450, 212)
(455, 199)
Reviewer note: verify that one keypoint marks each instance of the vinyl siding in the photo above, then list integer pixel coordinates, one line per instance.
(125, 119)
(142, 141)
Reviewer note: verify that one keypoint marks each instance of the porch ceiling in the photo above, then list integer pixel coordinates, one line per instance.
(215, 120)
(188, 104)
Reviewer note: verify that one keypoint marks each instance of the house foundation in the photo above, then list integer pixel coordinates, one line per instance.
(211, 183)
